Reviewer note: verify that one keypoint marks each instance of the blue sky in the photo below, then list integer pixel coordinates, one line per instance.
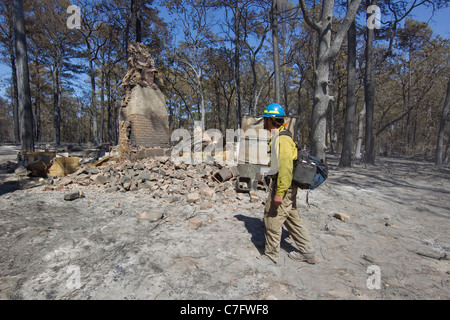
(440, 23)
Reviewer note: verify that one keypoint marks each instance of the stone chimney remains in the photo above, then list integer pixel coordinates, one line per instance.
(143, 118)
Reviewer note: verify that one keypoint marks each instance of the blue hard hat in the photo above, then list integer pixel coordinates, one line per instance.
(274, 110)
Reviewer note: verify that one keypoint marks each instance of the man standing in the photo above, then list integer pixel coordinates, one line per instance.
(281, 207)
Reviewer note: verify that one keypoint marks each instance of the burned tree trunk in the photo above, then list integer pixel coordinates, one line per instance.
(347, 148)
(23, 83)
(369, 95)
(440, 141)
(276, 54)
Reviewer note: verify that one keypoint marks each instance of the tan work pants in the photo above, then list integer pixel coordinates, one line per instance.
(287, 214)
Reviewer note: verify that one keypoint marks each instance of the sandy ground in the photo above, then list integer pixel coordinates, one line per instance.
(394, 245)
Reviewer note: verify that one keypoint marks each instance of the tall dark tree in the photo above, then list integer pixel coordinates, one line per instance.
(237, 62)
(347, 147)
(276, 54)
(9, 56)
(440, 141)
(23, 82)
(369, 90)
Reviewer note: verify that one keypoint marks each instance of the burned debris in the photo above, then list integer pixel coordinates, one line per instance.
(161, 177)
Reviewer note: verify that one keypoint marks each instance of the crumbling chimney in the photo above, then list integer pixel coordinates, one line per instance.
(144, 126)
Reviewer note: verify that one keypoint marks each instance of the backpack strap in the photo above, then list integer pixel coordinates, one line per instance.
(285, 133)
(288, 133)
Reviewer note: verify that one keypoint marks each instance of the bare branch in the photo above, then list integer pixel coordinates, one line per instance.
(308, 18)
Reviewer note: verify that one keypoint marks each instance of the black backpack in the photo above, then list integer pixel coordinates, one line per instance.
(308, 173)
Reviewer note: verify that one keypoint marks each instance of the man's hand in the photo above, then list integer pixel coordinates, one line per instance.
(277, 200)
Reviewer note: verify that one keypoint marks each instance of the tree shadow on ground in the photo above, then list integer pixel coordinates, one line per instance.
(15, 185)
(9, 186)
(255, 226)
(401, 180)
